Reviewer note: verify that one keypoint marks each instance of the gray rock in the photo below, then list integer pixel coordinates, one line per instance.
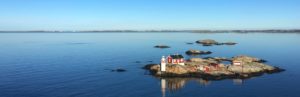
(192, 52)
(206, 41)
(189, 43)
(230, 43)
(211, 42)
(162, 46)
(119, 70)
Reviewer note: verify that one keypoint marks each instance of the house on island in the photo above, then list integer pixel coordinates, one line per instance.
(176, 59)
(171, 60)
(237, 63)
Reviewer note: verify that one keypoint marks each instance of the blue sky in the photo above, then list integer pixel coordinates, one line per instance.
(148, 14)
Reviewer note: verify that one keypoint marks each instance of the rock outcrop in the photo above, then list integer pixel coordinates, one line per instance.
(229, 43)
(248, 59)
(118, 70)
(211, 42)
(189, 43)
(250, 65)
(162, 46)
(219, 59)
(196, 52)
(206, 41)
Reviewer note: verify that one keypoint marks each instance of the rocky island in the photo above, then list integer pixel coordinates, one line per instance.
(197, 52)
(211, 42)
(162, 46)
(213, 68)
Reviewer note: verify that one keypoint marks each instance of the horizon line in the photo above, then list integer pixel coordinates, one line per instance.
(162, 30)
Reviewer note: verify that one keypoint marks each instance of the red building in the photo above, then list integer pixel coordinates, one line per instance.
(176, 59)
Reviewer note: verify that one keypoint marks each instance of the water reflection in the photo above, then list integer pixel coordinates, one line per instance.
(204, 82)
(238, 81)
(174, 84)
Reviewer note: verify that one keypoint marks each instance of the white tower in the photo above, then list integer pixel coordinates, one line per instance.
(163, 64)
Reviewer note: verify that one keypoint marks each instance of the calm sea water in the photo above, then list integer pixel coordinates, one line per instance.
(77, 65)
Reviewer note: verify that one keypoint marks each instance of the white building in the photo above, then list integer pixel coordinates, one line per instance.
(163, 64)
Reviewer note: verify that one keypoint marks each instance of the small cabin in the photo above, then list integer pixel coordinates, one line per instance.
(237, 63)
(176, 59)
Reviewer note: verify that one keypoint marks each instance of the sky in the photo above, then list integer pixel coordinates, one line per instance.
(75, 15)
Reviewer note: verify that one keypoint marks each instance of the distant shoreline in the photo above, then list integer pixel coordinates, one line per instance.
(141, 31)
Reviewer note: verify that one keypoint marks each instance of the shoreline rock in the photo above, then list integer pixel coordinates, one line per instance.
(248, 59)
(219, 59)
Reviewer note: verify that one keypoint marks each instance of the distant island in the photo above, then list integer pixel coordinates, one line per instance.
(192, 31)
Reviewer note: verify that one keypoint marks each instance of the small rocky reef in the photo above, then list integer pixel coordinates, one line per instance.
(213, 68)
(211, 42)
(197, 52)
(162, 46)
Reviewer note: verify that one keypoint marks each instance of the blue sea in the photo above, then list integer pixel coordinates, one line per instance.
(80, 64)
